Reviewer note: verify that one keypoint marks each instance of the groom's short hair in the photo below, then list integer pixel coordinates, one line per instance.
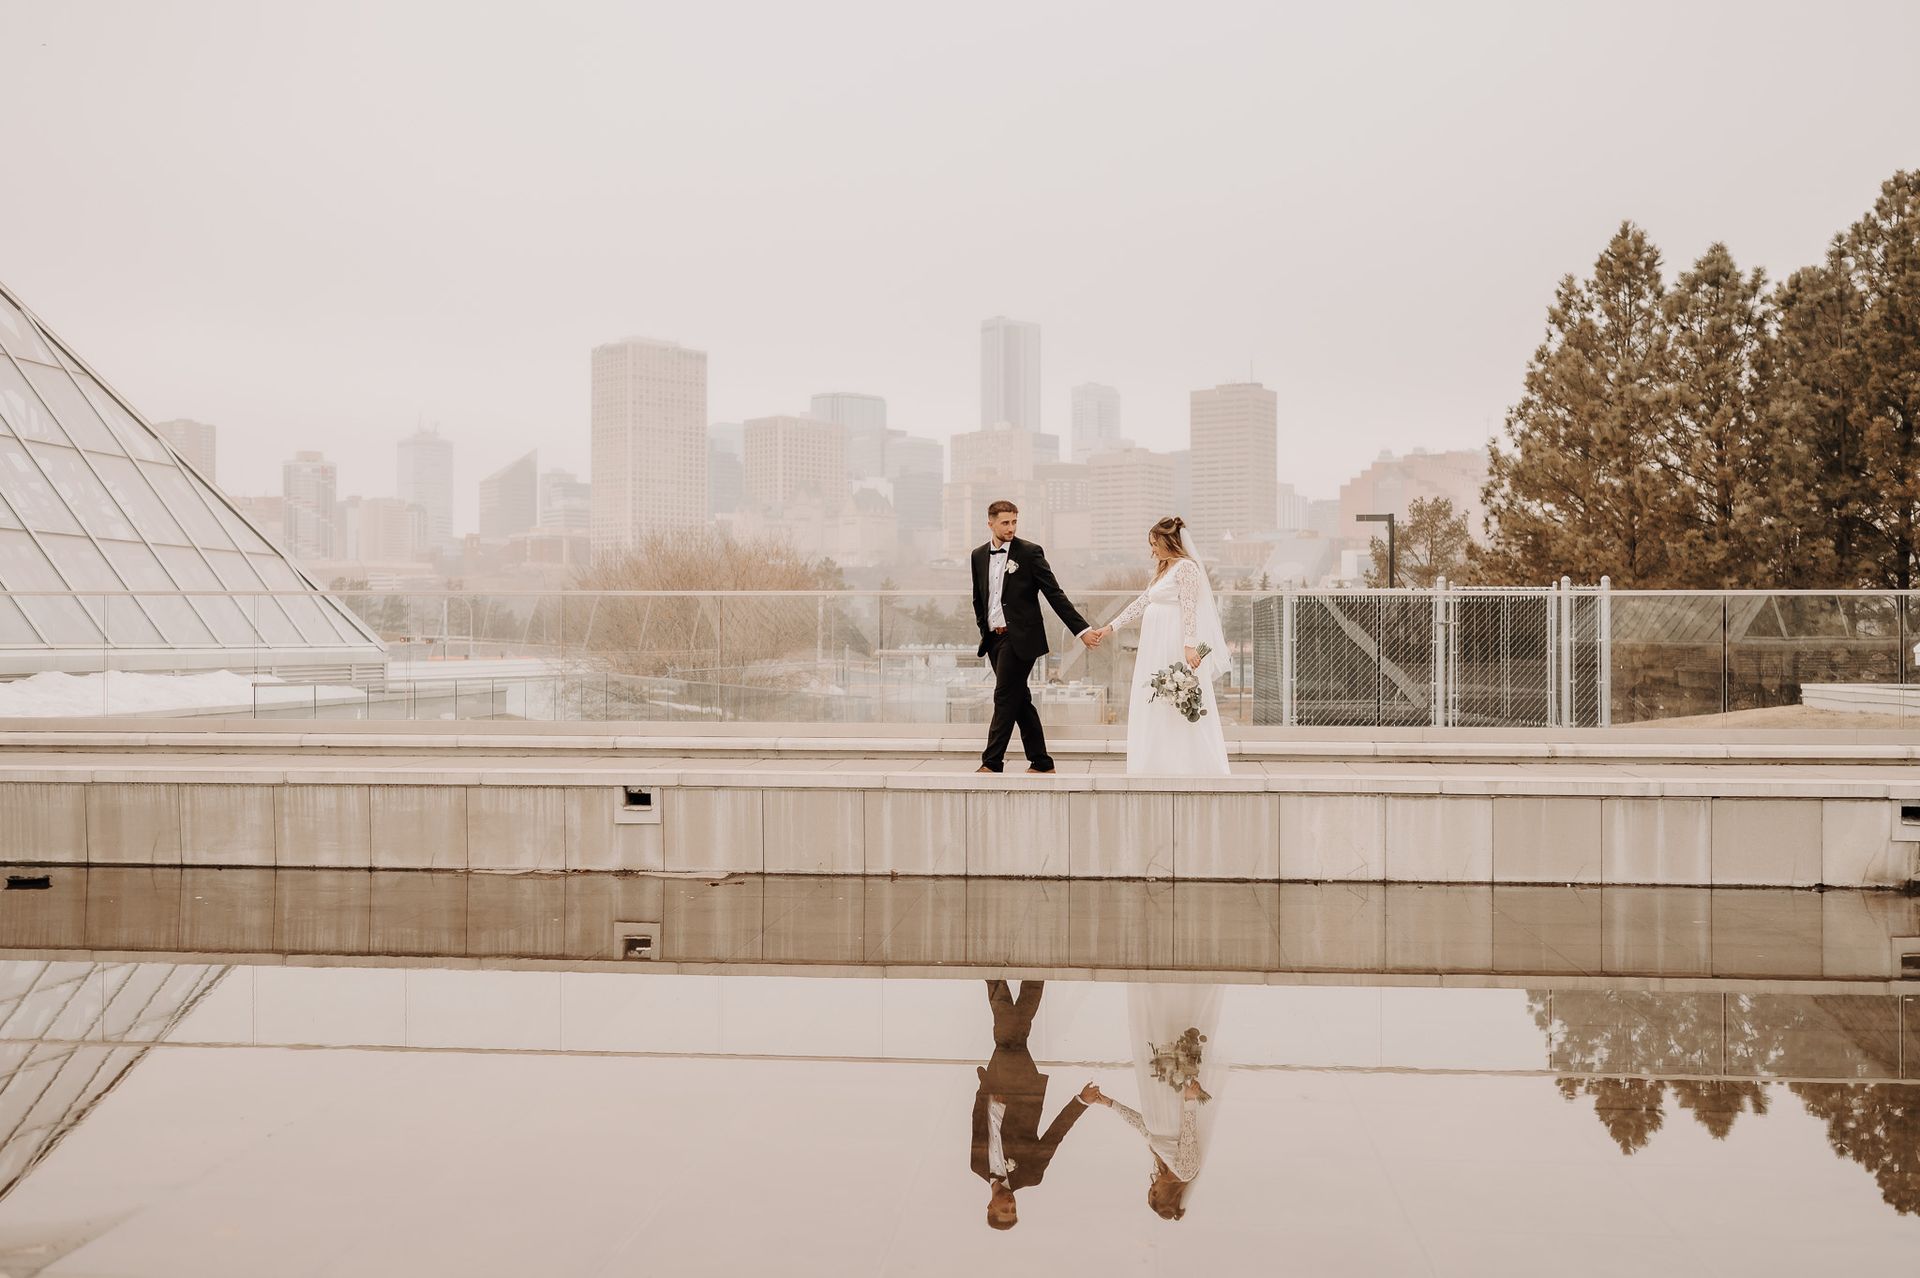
(1002, 507)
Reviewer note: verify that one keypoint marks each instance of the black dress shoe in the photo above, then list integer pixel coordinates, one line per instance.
(1045, 772)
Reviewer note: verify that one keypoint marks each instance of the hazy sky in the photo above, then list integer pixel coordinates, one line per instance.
(317, 224)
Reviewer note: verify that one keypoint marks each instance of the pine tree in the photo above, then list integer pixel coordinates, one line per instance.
(1430, 541)
(1718, 436)
(1581, 490)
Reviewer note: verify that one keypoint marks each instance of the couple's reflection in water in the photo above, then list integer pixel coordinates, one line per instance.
(1178, 1070)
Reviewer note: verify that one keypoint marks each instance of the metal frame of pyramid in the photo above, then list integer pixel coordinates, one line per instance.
(93, 499)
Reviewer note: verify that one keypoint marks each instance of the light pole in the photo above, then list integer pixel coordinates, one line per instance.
(1388, 520)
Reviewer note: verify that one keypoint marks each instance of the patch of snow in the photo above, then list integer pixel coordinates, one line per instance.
(53, 695)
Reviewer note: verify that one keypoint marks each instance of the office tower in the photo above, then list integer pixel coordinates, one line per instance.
(1235, 440)
(864, 417)
(425, 478)
(1292, 509)
(195, 443)
(379, 530)
(964, 511)
(916, 467)
(1183, 482)
(510, 498)
(1005, 452)
(307, 485)
(565, 501)
(1132, 490)
(649, 441)
(1096, 419)
(792, 459)
(1323, 516)
(1009, 373)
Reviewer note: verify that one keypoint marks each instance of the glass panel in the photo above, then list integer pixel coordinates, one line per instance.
(84, 567)
(1668, 656)
(342, 624)
(28, 492)
(135, 438)
(131, 492)
(14, 629)
(233, 570)
(7, 518)
(129, 626)
(229, 623)
(312, 622)
(1780, 646)
(276, 572)
(186, 505)
(70, 406)
(18, 334)
(62, 622)
(23, 410)
(237, 528)
(273, 624)
(85, 495)
(141, 571)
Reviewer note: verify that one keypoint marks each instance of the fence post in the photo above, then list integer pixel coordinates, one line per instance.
(1569, 712)
(1552, 599)
(1437, 684)
(1289, 708)
(1603, 656)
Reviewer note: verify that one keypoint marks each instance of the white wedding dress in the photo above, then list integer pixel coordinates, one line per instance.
(1175, 612)
(1175, 1032)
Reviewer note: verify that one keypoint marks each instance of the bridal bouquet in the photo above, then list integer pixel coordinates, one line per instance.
(1180, 684)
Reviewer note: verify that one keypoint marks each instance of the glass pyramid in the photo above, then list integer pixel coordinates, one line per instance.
(92, 499)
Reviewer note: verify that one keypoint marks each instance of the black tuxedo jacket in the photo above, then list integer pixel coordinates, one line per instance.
(1028, 577)
(1022, 1088)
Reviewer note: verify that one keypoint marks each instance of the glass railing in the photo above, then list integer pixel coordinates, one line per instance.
(1456, 657)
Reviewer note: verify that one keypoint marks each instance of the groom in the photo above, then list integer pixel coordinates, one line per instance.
(1008, 1150)
(1009, 576)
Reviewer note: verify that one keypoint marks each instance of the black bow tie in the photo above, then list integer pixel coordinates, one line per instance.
(1001, 551)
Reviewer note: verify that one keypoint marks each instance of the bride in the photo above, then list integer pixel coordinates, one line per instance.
(1177, 615)
(1179, 1069)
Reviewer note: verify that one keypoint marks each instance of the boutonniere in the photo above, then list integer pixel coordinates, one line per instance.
(1012, 567)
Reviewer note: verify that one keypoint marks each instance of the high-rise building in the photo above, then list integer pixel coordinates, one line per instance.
(916, 467)
(864, 417)
(1132, 490)
(1182, 482)
(1292, 510)
(425, 478)
(194, 441)
(510, 498)
(649, 441)
(1004, 452)
(307, 486)
(790, 459)
(1096, 419)
(380, 530)
(565, 501)
(1236, 465)
(964, 511)
(1009, 373)
(726, 469)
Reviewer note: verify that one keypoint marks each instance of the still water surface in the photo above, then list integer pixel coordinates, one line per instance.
(194, 1119)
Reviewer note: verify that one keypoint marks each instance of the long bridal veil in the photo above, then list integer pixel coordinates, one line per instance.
(1176, 1028)
(1207, 623)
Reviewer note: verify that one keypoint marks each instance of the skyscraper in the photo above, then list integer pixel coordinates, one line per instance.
(726, 469)
(864, 418)
(307, 486)
(1132, 490)
(916, 467)
(649, 441)
(510, 498)
(565, 502)
(1236, 464)
(1009, 373)
(195, 443)
(425, 478)
(792, 459)
(1096, 419)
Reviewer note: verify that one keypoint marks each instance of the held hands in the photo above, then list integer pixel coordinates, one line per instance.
(1092, 1095)
(1092, 637)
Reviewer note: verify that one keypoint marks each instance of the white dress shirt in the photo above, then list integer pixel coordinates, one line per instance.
(996, 574)
(997, 1161)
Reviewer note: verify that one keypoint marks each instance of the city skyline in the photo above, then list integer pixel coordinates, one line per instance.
(1266, 185)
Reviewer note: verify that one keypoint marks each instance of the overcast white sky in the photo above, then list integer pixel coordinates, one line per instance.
(316, 224)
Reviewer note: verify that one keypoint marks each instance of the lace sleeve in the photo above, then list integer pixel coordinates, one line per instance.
(1131, 611)
(1186, 1159)
(1132, 1117)
(1189, 583)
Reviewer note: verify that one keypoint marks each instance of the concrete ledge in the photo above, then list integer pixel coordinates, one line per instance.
(1536, 937)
